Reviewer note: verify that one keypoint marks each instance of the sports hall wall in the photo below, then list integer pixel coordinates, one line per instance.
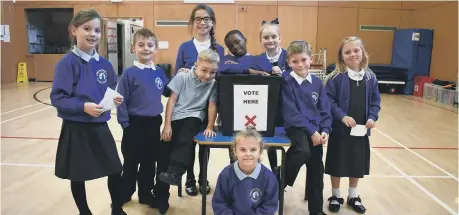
(321, 23)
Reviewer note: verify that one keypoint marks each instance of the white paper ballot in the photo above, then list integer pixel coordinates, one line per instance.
(359, 130)
(107, 102)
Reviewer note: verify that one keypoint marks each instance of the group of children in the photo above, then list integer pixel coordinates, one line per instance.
(313, 113)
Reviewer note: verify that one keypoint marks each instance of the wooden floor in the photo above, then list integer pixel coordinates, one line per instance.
(414, 162)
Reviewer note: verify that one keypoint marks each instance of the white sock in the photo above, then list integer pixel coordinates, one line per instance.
(336, 193)
(353, 194)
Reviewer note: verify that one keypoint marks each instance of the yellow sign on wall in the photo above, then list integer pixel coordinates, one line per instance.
(22, 73)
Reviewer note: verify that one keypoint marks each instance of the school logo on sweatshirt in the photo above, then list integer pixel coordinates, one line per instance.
(255, 194)
(101, 76)
(159, 83)
(315, 97)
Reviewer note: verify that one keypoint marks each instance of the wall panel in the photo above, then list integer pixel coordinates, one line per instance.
(249, 22)
(142, 10)
(8, 50)
(334, 25)
(416, 5)
(308, 29)
(379, 43)
(322, 23)
(323, 3)
(381, 4)
(175, 35)
(443, 19)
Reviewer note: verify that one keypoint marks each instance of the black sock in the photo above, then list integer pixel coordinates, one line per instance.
(114, 187)
(79, 194)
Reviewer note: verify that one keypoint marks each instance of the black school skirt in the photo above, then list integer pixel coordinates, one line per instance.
(348, 156)
(86, 151)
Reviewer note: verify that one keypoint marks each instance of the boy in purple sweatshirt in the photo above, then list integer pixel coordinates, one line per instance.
(140, 117)
(307, 120)
(240, 61)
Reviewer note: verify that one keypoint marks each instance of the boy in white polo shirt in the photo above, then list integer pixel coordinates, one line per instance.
(190, 92)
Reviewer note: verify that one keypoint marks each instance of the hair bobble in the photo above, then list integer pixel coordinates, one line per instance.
(275, 21)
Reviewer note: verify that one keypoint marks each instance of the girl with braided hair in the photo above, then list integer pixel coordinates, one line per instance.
(202, 24)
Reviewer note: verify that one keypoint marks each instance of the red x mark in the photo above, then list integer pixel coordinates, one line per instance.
(250, 120)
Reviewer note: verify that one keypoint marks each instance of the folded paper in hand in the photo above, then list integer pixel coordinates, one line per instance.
(108, 102)
(359, 130)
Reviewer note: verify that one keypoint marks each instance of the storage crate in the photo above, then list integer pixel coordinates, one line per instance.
(455, 98)
(446, 96)
(419, 82)
(431, 91)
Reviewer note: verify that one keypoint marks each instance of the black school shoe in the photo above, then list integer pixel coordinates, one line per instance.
(201, 188)
(170, 178)
(147, 200)
(357, 208)
(320, 213)
(190, 187)
(335, 207)
(162, 207)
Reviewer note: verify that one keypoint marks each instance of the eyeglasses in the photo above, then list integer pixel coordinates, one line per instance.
(206, 19)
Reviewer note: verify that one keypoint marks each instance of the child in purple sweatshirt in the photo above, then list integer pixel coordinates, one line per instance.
(246, 187)
(307, 121)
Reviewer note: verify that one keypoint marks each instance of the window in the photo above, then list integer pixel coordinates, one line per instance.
(47, 30)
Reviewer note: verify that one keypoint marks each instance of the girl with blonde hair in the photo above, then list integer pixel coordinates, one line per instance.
(355, 101)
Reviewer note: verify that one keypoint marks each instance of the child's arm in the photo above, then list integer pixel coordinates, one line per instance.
(258, 72)
(291, 113)
(176, 86)
(232, 68)
(212, 112)
(112, 82)
(166, 135)
(112, 78)
(180, 61)
(62, 89)
(220, 199)
(375, 104)
(123, 89)
(270, 202)
(332, 93)
(325, 111)
(212, 115)
(166, 90)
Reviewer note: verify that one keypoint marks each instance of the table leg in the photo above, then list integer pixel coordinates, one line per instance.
(204, 176)
(306, 188)
(281, 189)
(180, 188)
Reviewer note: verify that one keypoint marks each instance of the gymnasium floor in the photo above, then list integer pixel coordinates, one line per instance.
(414, 162)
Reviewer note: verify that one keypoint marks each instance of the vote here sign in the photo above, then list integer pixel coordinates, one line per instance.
(250, 107)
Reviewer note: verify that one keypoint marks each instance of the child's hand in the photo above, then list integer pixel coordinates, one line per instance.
(183, 70)
(316, 139)
(349, 121)
(118, 100)
(230, 62)
(370, 123)
(324, 138)
(257, 72)
(209, 133)
(93, 109)
(166, 135)
(277, 70)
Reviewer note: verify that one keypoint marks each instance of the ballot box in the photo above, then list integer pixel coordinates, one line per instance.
(248, 100)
